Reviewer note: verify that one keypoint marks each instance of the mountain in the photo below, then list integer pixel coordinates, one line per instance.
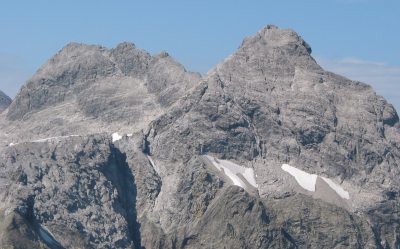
(268, 150)
(5, 101)
(88, 89)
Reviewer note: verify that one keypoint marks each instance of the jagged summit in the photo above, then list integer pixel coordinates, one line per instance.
(125, 46)
(270, 53)
(272, 36)
(78, 46)
(5, 101)
(162, 54)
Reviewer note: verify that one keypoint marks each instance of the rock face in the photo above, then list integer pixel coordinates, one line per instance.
(5, 101)
(267, 150)
(79, 190)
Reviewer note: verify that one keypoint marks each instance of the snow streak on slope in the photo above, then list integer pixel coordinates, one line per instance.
(115, 137)
(48, 237)
(153, 164)
(233, 171)
(43, 140)
(52, 138)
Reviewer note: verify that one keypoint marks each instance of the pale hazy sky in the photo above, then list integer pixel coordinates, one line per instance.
(357, 38)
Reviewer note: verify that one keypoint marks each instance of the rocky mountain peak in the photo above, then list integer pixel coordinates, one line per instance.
(131, 61)
(74, 62)
(5, 101)
(268, 53)
(74, 47)
(273, 37)
(162, 54)
(125, 46)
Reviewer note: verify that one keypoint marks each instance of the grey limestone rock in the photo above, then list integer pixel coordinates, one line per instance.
(80, 189)
(267, 105)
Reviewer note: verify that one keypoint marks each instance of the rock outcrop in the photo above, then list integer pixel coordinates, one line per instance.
(267, 150)
(5, 101)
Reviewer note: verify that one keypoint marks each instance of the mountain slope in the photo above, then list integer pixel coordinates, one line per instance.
(267, 150)
(270, 103)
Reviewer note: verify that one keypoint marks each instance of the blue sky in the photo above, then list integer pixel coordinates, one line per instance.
(357, 38)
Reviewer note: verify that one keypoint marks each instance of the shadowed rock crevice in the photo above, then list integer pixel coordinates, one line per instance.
(118, 172)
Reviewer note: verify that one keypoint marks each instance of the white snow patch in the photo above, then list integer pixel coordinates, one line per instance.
(232, 170)
(304, 179)
(338, 189)
(129, 134)
(116, 137)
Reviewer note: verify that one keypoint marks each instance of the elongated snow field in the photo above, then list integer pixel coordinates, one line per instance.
(308, 181)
